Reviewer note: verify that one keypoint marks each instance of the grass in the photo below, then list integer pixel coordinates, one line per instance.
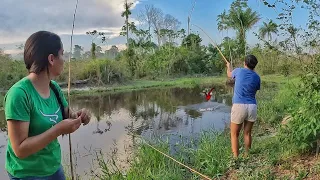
(1, 100)
(145, 84)
(177, 82)
(269, 157)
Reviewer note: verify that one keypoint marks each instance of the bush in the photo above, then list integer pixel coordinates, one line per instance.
(304, 127)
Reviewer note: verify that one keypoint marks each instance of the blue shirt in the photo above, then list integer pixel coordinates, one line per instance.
(247, 83)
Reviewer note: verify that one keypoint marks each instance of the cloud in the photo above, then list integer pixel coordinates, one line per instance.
(13, 51)
(119, 46)
(20, 18)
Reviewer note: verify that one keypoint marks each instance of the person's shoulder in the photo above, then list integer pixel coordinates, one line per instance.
(17, 93)
(241, 69)
(257, 76)
(236, 70)
(20, 86)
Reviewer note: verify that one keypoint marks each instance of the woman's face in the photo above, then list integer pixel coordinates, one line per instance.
(56, 63)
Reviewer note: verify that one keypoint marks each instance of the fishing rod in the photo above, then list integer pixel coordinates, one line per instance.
(213, 43)
(69, 84)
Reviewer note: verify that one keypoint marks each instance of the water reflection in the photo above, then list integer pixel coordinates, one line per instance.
(118, 118)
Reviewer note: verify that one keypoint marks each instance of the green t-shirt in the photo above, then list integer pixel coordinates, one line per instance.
(23, 103)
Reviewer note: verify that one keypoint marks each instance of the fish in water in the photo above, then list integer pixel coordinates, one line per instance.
(209, 94)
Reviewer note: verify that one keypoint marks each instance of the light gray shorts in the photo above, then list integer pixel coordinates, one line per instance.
(243, 112)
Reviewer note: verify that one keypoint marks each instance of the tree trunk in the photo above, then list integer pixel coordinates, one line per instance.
(127, 24)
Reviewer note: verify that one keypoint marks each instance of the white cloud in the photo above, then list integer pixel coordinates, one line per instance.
(20, 18)
(13, 51)
(120, 47)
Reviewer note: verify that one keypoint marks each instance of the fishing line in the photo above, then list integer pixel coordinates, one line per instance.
(191, 169)
(69, 84)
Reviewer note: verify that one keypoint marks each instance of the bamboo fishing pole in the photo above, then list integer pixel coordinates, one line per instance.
(69, 84)
(213, 43)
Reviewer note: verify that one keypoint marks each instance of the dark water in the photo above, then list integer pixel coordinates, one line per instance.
(116, 118)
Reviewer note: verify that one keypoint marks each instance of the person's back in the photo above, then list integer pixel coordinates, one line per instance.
(247, 83)
(244, 104)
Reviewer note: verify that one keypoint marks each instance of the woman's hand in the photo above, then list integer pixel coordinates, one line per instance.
(85, 116)
(68, 126)
(228, 64)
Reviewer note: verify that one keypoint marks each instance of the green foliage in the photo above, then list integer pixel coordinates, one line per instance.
(10, 71)
(267, 29)
(240, 18)
(102, 71)
(303, 128)
(212, 157)
(275, 102)
(192, 40)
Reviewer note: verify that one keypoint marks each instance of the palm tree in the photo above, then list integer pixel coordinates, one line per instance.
(222, 24)
(267, 29)
(240, 18)
(126, 13)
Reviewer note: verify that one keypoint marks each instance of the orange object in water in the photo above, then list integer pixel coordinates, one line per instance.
(208, 95)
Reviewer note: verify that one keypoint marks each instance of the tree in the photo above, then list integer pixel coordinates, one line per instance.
(169, 31)
(128, 27)
(93, 50)
(192, 40)
(222, 21)
(222, 25)
(145, 16)
(94, 35)
(77, 51)
(267, 29)
(126, 13)
(240, 18)
(98, 51)
(114, 51)
(156, 17)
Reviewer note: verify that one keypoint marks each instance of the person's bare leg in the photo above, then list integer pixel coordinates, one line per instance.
(247, 136)
(234, 131)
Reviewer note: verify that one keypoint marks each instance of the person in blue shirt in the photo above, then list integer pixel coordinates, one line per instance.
(244, 104)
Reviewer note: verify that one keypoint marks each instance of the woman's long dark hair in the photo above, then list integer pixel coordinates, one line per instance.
(37, 49)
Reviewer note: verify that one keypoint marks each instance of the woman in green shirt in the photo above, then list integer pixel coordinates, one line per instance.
(35, 108)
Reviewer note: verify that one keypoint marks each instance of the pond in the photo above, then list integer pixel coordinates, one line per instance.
(117, 118)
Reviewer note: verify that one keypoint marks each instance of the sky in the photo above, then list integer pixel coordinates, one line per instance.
(20, 18)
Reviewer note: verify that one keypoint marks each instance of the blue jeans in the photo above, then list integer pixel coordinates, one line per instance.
(59, 175)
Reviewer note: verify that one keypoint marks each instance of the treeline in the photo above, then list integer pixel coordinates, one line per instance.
(159, 48)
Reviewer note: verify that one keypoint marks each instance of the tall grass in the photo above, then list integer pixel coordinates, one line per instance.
(211, 158)
(275, 101)
(1, 100)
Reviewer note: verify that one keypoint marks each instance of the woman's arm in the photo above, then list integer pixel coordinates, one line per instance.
(22, 145)
(229, 70)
